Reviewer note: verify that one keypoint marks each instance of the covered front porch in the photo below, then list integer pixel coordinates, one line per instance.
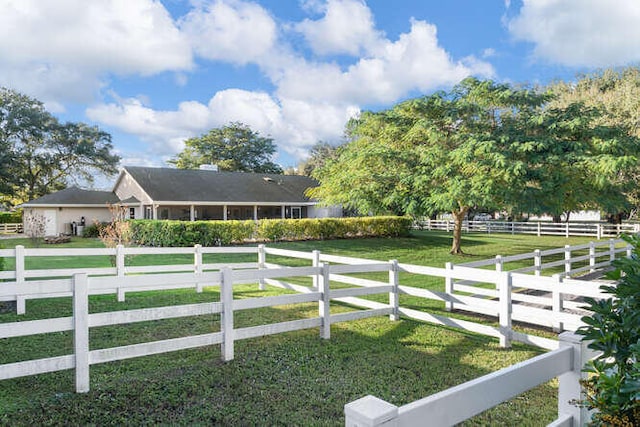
(195, 212)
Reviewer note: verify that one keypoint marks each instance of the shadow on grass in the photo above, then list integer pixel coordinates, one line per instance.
(287, 379)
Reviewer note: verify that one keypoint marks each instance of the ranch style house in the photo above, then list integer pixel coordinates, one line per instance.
(181, 194)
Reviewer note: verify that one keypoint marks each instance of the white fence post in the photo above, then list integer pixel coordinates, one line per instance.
(612, 250)
(539, 228)
(505, 309)
(567, 260)
(592, 257)
(629, 251)
(120, 270)
(569, 388)
(537, 262)
(262, 259)
(599, 231)
(448, 286)
(566, 232)
(21, 304)
(226, 321)
(394, 297)
(197, 265)
(556, 303)
(370, 411)
(324, 309)
(315, 262)
(81, 331)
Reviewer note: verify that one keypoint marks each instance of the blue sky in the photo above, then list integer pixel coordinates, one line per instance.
(153, 73)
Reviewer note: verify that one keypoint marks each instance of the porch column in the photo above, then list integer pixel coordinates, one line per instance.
(284, 211)
(155, 211)
(255, 212)
(192, 213)
(224, 212)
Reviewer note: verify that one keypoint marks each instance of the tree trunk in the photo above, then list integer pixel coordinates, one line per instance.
(458, 217)
(557, 218)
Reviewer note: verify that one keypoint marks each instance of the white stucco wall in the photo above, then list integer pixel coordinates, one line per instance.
(57, 217)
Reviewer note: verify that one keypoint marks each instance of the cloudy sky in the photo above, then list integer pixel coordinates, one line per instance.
(155, 72)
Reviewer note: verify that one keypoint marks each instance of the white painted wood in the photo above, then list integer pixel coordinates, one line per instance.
(447, 321)
(226, 318)
(359, 302)
(155, 347)
(357, 281)
(277, 328)
(32, 327)
(459, 403)
(288, 253)
(360, 314)
(359, 268)
(369, 411)
(353, 292)
(255, 275)
(423, 293)
(81, 331)
(262, 259)
(156, 313)
(324, 309)
(394, 293)
(291, 286)
(252, 303)
(34, 367)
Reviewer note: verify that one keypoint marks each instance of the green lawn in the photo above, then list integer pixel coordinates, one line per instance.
(287, 379)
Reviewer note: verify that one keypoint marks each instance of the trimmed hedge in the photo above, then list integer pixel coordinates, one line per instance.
(216, 233)
(11, 217)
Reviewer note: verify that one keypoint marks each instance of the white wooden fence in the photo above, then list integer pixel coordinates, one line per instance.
(10, 228)
(462, 402)
(539, 228)
(463, 288)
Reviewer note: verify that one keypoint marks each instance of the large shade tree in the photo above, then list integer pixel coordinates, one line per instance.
(41, 155)
(482, 144)
(234, 147)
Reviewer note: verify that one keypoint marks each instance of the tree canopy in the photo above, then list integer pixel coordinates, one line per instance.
(234, 147)
(40, 155)
(481, 144)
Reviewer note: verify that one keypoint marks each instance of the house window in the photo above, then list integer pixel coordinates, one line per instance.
(132, 213)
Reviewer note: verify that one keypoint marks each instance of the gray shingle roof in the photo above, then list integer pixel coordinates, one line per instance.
(166, 184)
(76, 196)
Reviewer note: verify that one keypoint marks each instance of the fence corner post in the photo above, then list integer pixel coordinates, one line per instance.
(324, 308)
(569, 388)
(370, 411)
(394, 296)
(448, 286)
(226, 321)
(81, 331)
(262, 259)
(504, 293)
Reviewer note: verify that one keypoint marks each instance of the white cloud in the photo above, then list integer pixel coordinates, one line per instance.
(61, 50)
(591, 33)
(346, 28)
(393, 69)
(295, 125)
(233, 31)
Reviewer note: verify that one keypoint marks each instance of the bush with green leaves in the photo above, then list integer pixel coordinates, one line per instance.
(11, 217)
(613, 385)
(214, 233)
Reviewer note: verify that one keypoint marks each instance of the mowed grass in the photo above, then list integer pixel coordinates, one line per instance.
(295, 378)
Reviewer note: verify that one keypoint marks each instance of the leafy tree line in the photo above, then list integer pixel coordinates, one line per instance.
(39, 154)
(485, 144)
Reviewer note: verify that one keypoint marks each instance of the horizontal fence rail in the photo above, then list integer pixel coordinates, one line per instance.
(10, 228)
(539, 228)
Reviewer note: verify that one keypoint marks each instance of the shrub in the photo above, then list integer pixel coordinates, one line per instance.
(613, 385)
(212, 233)
(11, 217)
